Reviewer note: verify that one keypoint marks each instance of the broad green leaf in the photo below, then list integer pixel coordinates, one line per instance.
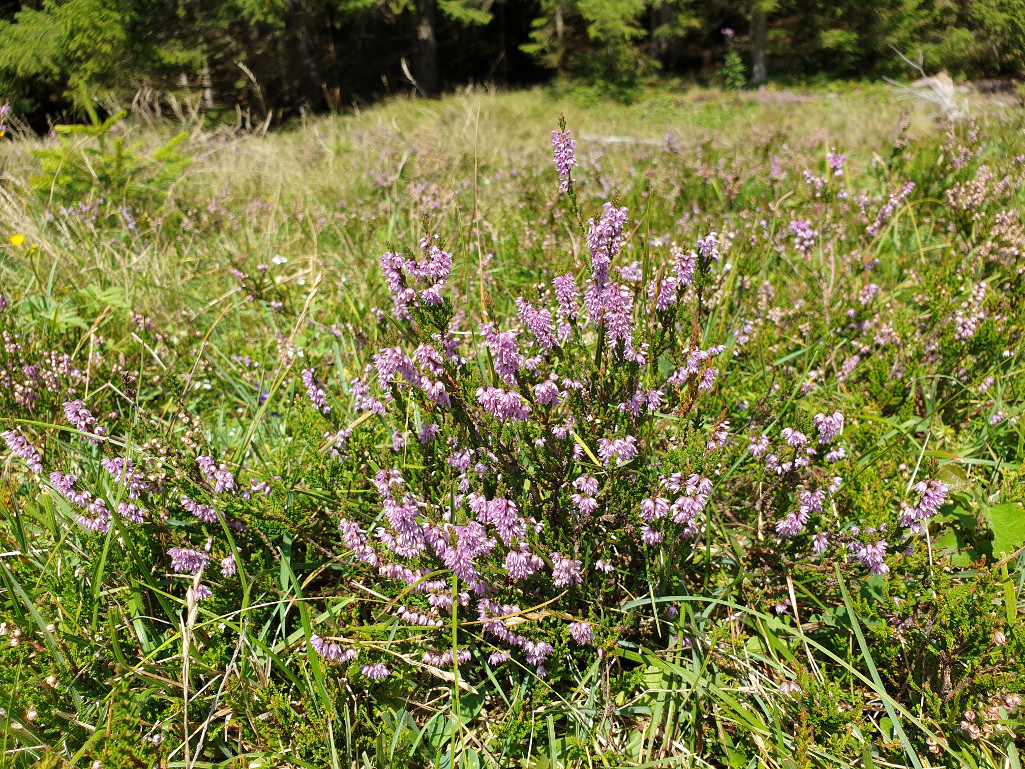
(1008, 522)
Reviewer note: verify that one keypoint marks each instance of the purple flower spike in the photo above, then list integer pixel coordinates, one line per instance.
(22, 448)
(563, 157)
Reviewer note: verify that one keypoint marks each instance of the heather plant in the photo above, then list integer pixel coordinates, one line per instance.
(673, 452)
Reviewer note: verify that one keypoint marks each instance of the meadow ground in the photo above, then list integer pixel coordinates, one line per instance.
(385, 440)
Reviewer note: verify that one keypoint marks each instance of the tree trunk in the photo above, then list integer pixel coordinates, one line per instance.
(758, 35)
(427, 48)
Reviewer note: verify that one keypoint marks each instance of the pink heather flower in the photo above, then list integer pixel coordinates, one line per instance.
(617, 313)
(100, 520)
(505, 405)
(315, 392)
(934, 494)
(586, 484)
(131, 513)
(500, 513)
(631, 273)
(708, 246)
(888, 209)
(331, 651)
(829, 426)
(793, 437)
(819, 543)
(620, 449)
(547, 393)
(375, 672)
(584, 505)
(65, 486)
(80, 418)
(436, 264)
(428, 433)
(537, 653)
(686, 509)
(804, 234)
(604, 239)
(445, 659)
(563, 157)
(538, 322)
(520, 564)
(565, 571)
(218, 475)
(790, 526)
(836, 455)
(203, 592)
(758, 446)
(205, 513)
(429, 360)
(720, 434)
(472, 543)
(431, 272)
(872, 557)
(505, 352)
(356, 540)
(411, 617)
(848, 368)
(649, 535)
(581, 633)
(652, 509)
(187, 561)
(406, 538)
(398, 441)
(362, 400)
(20, 446)
(229, 566)
(666, 293)
(811, 501)
(867, 294)
(568, 296)
(497, 658)
(124, 471)
(336, 443)
(790, 688)
(696, 366)
(836, 161)
(971, 315)
(391, 363)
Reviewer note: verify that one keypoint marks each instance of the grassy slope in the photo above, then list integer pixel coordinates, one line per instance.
(309, 194)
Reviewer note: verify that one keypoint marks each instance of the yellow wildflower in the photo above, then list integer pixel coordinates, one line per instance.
(17, 239)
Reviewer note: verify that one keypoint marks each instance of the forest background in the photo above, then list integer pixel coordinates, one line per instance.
(279, 57)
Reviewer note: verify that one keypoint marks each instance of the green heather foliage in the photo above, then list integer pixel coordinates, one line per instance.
(375, 444)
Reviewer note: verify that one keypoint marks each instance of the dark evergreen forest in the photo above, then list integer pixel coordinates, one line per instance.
(275, 57)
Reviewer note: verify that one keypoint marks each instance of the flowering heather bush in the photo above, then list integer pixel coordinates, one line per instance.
(722, 468)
